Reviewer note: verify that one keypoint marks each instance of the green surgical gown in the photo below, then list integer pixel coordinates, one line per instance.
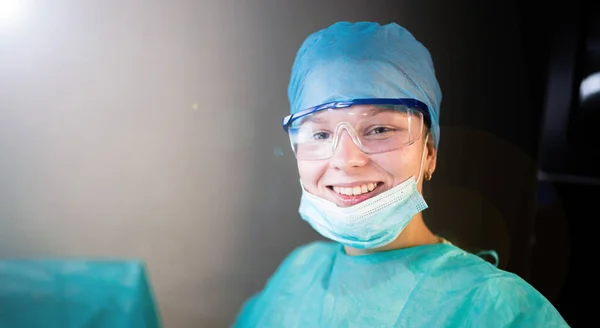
(441, 285)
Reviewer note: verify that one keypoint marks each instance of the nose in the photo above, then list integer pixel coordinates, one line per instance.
(347, 154)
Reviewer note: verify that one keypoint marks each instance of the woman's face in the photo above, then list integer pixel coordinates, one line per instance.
(351, 176)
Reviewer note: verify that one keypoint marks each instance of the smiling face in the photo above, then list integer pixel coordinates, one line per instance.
(355, 172)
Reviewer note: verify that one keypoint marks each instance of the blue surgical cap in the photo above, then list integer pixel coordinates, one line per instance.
(347, 61)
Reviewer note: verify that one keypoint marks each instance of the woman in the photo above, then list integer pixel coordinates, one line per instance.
(365, 131)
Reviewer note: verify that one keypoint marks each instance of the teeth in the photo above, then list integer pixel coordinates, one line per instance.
(354, 191)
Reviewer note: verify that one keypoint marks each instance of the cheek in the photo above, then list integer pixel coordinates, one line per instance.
(310, 172)
(400, 165)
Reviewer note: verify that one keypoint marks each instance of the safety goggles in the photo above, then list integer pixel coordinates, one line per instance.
(374, 125)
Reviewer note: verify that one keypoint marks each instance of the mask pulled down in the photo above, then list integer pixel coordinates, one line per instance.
(373, 223)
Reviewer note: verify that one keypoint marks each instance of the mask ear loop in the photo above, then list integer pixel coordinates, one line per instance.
(423, 158)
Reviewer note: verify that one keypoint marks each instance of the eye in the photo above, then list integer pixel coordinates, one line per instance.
(380, 130)
(320, 136)
(307, 135)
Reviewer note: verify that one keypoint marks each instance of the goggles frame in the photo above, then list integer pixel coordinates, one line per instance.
(408, 102)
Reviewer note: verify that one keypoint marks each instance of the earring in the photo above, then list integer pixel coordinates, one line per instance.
(428, 175)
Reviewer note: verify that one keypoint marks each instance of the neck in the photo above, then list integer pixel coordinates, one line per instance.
(416, 233)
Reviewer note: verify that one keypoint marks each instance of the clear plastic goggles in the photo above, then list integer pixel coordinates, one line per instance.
(374, 128)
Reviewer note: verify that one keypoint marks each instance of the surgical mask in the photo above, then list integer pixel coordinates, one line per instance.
(373, 223)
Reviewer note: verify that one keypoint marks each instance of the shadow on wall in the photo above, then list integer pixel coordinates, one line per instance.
(471, 205)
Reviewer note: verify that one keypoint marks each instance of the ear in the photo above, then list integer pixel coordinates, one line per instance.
(431, 159)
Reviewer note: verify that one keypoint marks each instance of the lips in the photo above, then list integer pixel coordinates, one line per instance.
(355, 190)
(352, 194)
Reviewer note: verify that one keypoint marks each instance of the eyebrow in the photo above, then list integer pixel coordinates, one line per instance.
(372, 111)
(313, 119)
(376, 110)
(318, 119)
